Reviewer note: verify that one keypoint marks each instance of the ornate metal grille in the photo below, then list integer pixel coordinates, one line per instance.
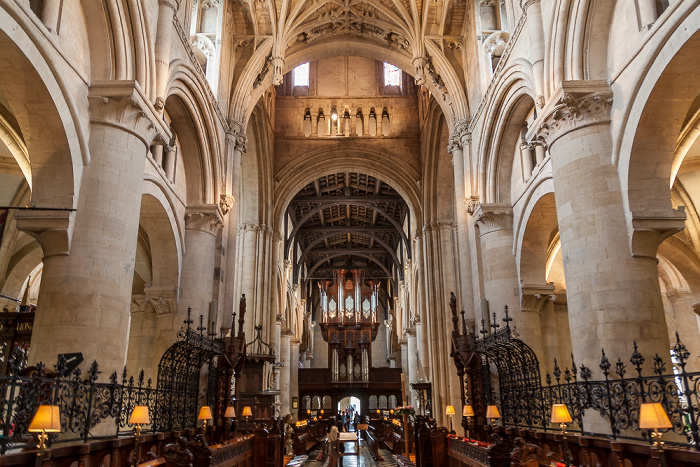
(179, 373)
(518, 372)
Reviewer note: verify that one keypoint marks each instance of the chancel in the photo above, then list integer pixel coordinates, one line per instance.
(227, 226)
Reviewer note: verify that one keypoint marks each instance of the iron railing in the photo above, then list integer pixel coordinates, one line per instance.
(84, 402)
(617, 397)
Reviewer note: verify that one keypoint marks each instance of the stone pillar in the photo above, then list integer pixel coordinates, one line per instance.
(236, 144)
(612, 283)
(412, 358)
(526, 157)
(539, 152)
(197, 278)
(164, 28)
(500, 272)
(85, 295)
(294, 374)
(537, 48)
(687, 323)
(460, 139)
(285, 374)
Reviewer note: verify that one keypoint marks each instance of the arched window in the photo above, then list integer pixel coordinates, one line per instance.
(301, 75)
(392, 75)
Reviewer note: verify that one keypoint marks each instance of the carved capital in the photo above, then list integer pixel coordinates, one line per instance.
(649, 229)
(410, 331)
(471, 203)
(460, 136)
(576, 104)
(236, 136)
(163, 306)
(226, 203)
(210, 4)
(493, 217)
(560, 304)
(123, 104)
(206, 218)
(52, 229)
(532, 297)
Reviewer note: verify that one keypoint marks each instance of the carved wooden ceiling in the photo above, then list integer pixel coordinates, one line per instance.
(347, 221)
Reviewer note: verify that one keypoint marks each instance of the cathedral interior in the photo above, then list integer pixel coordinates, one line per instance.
(436, 220)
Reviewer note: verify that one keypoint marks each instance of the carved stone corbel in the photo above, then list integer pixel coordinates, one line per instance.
(206, 218)
(649, 229)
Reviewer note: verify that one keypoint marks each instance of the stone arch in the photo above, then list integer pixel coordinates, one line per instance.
(454, 106)
(513, 101)
(534, 234)
(651, 125)
(56, 162)
(159, 221)
(202, 181)
(326, 160)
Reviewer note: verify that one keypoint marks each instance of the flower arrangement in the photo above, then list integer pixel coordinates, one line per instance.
(407, 410)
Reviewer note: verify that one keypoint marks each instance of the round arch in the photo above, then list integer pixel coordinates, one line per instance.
(512, 101)
(650, 126)
(323, 161)
(56, 162)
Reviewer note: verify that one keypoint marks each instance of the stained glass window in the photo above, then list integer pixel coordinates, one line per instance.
(301, 75)
(392, 75)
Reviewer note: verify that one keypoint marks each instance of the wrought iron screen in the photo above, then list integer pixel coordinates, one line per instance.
(518, 372)
(179, 373)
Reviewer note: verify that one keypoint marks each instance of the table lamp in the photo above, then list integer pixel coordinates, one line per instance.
(652, 416)
(493, 414)
(247, 413)
(561, 415)
(47, 419)
(139, 417)
(450, 411)
(204, 415)
(230, 413)
(467, 412)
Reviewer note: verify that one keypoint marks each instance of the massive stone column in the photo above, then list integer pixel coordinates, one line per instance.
(613, 295)
(202, 224)
(500, 272)
(86, 291)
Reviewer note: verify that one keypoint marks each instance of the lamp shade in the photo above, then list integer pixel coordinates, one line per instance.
(492, 412)
(140, 415)
(247, 412)
(205, 413)
(653, 415)
(230, 412)
(46, 418)
(467, 411)
(560, 414)
(449, 410)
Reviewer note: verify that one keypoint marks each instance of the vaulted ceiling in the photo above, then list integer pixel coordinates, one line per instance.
(423, 36)
(347, 221)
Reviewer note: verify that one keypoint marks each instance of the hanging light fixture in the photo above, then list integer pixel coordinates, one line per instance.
(334, 114)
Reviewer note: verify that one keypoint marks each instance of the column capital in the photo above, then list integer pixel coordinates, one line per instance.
(52, 229)
(204, 217)
(534, 296)
(294, 341)
(649, 229)
(576, 104)
(493, 217)
(123, 104)
(460, 136)
(410, 331)
(236, 135)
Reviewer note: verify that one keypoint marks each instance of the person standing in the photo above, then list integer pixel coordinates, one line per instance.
(332, 445)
